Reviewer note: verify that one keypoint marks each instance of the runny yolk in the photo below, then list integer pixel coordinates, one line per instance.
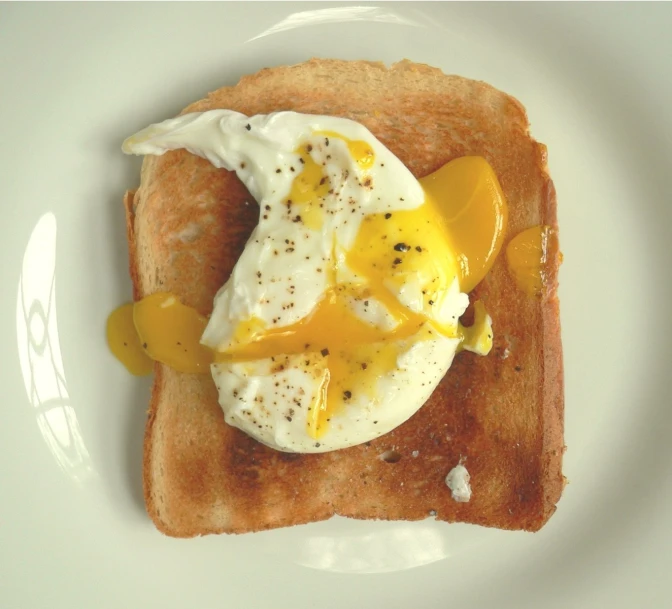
(360, 151)
(330, 328)
(170, 333)
(456, 234)
(474, 210)
(124, 342)
(394, 248)
(530, 256)
(312, 184)
(308, 190)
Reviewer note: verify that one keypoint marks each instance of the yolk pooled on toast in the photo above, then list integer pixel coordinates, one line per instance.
(530, 255)
(474, 210)
(456, 233)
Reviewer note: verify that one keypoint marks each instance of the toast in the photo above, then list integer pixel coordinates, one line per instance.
(501, 415)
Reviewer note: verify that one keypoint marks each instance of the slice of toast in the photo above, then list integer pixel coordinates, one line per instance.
(502, 415)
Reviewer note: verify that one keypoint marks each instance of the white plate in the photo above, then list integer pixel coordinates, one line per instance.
(77, 79)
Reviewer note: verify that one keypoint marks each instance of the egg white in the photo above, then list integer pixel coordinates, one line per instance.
(280, 276)
(270, 398)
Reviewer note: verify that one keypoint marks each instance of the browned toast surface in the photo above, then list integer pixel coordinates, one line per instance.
(187, 225)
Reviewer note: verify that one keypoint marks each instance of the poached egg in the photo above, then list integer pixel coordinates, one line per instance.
(342, 314)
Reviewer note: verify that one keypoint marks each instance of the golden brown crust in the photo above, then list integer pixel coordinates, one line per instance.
(502, 413)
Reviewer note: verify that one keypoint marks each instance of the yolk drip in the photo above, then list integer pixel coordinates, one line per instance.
(158, 328)
(329, 328)
(393, 248)
(456, 233)
(349, 374)
(170, 333)
(124, 342)
(474, 210)
(312, 185)
(308, 191)
(530, 255)
(360, 151)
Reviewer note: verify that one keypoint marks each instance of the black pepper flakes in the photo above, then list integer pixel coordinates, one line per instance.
(296, 219)
(277, 171)
(431, 302)
(388, 215)
(347, 394)
(397, 261)
(401, 247)
(144, 345)
(518, 368)
(248, 127)
(325, 352)
(364, 366)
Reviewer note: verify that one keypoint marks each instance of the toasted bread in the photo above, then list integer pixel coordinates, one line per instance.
(502, 415)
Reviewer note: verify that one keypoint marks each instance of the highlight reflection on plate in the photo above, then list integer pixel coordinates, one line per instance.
(344, 545)
(40, 353)
(340, 14)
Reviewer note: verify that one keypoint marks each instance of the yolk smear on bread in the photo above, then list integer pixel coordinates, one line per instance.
(530, 256)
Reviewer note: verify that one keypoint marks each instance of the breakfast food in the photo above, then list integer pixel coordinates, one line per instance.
(342, 313)
(492, 427)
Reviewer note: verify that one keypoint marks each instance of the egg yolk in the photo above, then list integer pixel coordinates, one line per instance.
(311, 186)
(472, 205)
(170, 333)
(478, 336)
(530, 256)
(456, 233)
(359, 150)
(124, 341)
